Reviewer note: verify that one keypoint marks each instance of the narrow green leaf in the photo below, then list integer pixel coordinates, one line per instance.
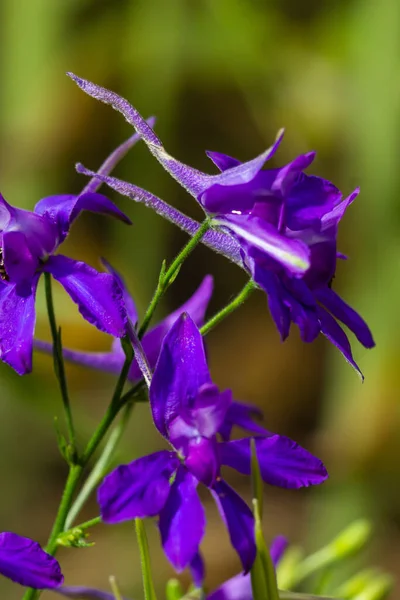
(148, 586)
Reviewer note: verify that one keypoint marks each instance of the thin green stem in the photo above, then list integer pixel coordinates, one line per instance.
(59, 363)
(229, 308)
(167, 277)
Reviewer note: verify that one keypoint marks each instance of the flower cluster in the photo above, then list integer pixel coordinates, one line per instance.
(281, 226)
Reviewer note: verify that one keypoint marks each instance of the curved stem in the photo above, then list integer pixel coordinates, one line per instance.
(229, 308)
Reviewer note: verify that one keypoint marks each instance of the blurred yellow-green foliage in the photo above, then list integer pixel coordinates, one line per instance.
(222, 75)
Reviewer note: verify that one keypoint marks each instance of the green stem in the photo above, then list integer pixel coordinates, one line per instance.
(227, 310)
(167, 277)
(59, 363)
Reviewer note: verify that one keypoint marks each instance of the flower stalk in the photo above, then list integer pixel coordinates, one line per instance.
(167, 277)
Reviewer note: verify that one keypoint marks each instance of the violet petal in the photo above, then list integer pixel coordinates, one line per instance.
(222, 161)
(182, 521)
(19, 263)
(139, 489)
(254, 232)
(23, 561)
(244, 415)
(107, 362)
(17, 324)
(282, 461)
(236, 588)
(180, 371)
(342, 311)
(195, 306)
(239, 520)
(64, 209)
(277, 549)
(98, 295)
(335, 334)
(197, 570)
(84, 593)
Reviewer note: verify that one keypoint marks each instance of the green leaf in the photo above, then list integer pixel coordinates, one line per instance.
(148, 586)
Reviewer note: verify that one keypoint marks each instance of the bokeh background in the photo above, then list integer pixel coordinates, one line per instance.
(222, 75)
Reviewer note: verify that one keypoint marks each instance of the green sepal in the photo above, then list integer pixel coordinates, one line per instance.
(74, 538)
(148, 585)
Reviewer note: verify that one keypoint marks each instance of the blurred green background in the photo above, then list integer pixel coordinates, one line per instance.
(222, 75)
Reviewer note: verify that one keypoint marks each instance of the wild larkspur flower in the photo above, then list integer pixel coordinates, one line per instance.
(239, 414)
(29, 241)
(23, 561)
(188, 410)
(236, 588)
(284, 224)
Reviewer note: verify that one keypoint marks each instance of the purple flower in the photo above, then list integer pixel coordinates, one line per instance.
(284, 223)
(27, 246)
(189, 410)
(239, 414)
(22, 560)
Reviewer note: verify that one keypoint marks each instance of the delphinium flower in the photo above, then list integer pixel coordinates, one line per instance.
(284, 222)
(188, 411)
(23, 561)
(236, 588)
(28, 244)
(240, 414)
